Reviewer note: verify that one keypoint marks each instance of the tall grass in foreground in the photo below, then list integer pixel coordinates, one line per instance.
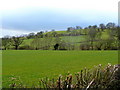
(97, 77)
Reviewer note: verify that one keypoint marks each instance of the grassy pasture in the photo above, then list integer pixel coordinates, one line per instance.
(72, 39)
(33, 64)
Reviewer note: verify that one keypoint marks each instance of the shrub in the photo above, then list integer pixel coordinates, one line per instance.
(85, 47)
(26, 47)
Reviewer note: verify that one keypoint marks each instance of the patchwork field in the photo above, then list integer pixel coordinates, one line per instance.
(72, 39)
(31, 65)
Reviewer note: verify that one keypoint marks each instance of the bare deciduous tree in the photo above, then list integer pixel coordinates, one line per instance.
(16, 42)
(6, 42)
(91, 36)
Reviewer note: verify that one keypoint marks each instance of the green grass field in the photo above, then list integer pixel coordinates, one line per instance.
(33, 64)
(73, 39)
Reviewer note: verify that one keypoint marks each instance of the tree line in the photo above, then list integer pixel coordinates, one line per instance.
(102, 37)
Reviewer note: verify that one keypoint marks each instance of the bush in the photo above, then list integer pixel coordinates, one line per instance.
(85, 47)
(25, 47)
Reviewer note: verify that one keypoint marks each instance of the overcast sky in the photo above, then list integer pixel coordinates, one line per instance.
(25, 16)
